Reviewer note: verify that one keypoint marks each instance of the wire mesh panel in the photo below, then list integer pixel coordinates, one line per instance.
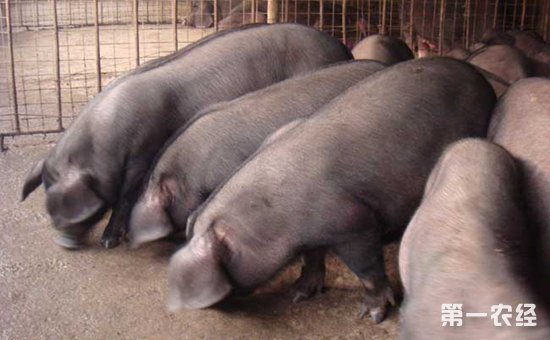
(57, 54)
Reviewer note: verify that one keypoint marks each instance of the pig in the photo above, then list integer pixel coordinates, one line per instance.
(100, 161)
(243, 13)
(202, 14)
(469, 244)
(541, 63)
(458, 53)
(521, 124)
(503, 61)
(227, 133)
(343, 179)
(385, 49)
(528, 42)
(496, 37)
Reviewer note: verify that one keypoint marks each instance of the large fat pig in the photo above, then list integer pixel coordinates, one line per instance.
(528, 42)
(382, 48)
(469, 243)
(343, 179)
(521, 124)
(505, 62)
(217, 141)
(101, 159)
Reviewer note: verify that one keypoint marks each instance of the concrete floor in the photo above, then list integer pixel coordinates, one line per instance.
(49, 292)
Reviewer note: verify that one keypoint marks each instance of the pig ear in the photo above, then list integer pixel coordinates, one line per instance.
(197, 278)
(149, 220)
(189, 227)
(72, 200)
(33, 180)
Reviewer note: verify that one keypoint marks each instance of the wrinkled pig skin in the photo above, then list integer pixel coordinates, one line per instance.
(342, 179)
(100, 161)
(218, 140)
(387, 50)
(469, 243)
(521, 124)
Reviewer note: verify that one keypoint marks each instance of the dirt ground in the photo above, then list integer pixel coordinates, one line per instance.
(50, 293)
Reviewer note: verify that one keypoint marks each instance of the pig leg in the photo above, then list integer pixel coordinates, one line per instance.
(312, 279)
(118, 223)
(364, 256)
(116, 228)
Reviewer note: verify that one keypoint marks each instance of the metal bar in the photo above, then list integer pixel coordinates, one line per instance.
(368, 17)
(441, 26)
(523, 11)
(216, 15)
(485, 16)
(15, 107)
(285, 13)
(321, 14)
(272, 11)
(546, 20)
(97, 50)
(423, 18)
(434, 16)
(467, 23)
(495, 14)
(474, 26)
(344, 27)
(504, 15)
(56, 65)
(383, 19)
(402, 16)
(453, 35)
(411, 25)
(175, 22)
(253, 11)
(136, 30)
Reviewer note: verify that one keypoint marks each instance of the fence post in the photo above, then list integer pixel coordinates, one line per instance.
(12, 69)
(97, 50)
(272, 11)
(135, 9)
(57, 68)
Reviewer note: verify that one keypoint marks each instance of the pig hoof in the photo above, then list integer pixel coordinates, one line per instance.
(68, 242)
(110, 242)
(377, 314)
(376, 306)
(307, 286)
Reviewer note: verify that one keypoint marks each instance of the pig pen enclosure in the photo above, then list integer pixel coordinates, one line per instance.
(55, 55)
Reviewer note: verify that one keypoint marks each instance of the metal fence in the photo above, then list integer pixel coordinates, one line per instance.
(57, 54)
